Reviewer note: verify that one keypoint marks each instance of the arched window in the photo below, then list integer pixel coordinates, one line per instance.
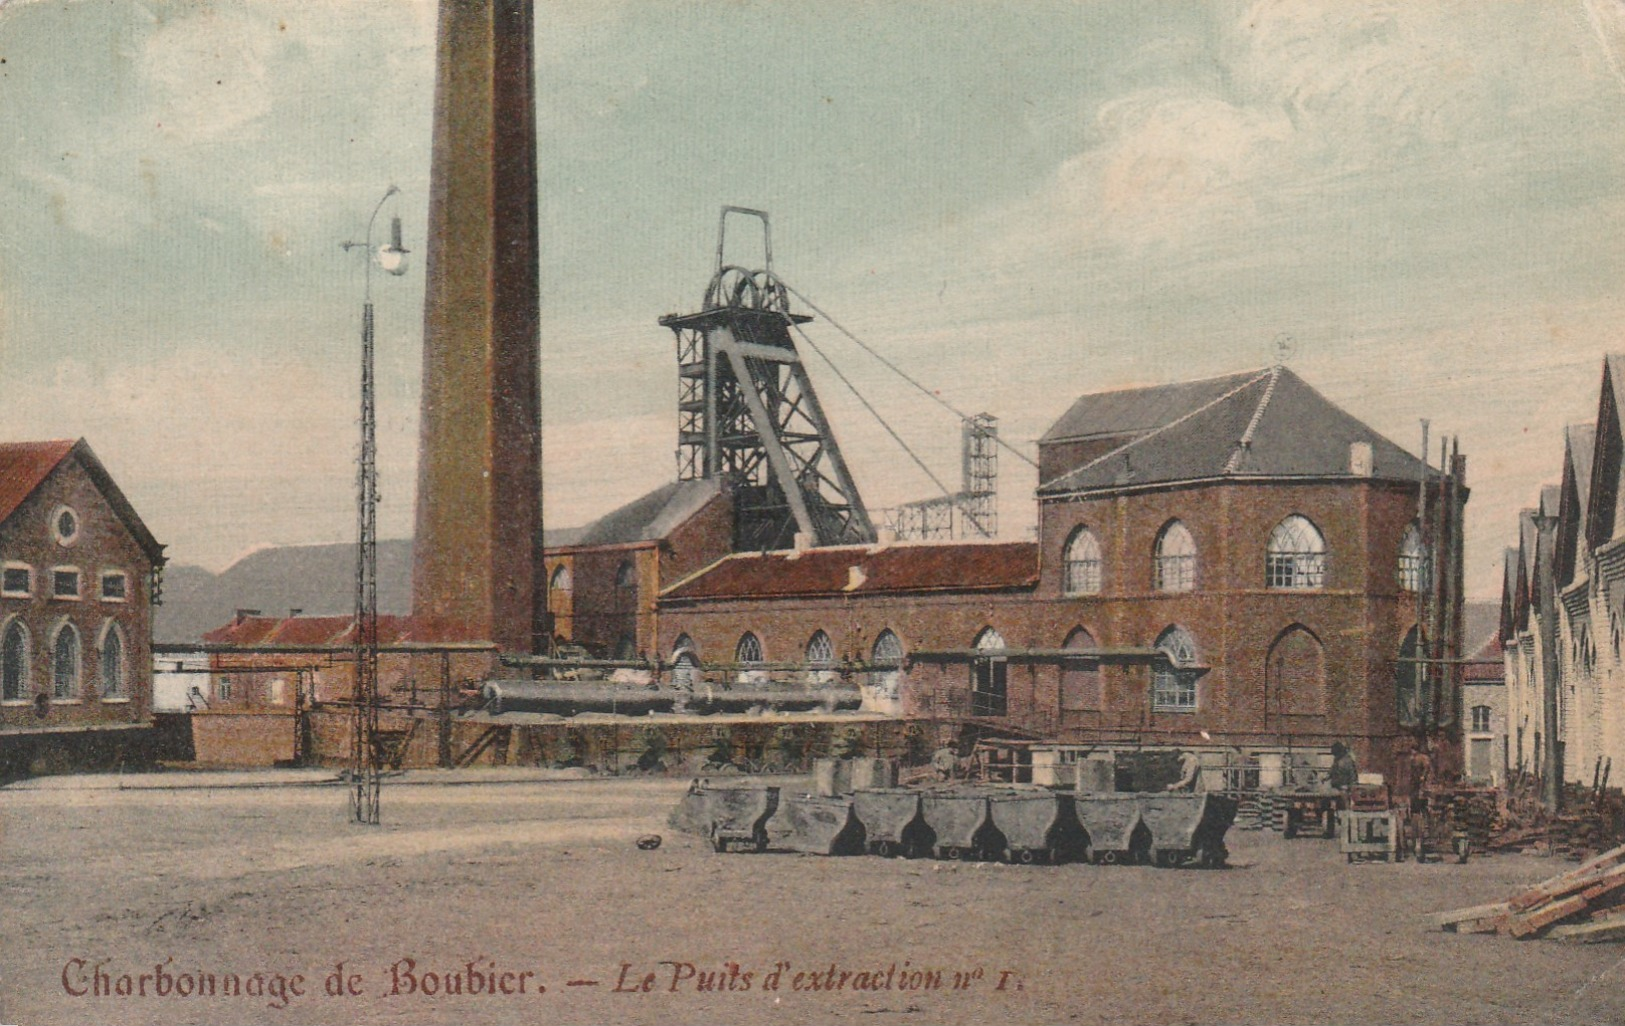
(1175, 563)
(990, 676)
(887, 659)
(820, 651)
(1412, 561)
(1296, 555)
(559, 589)
(749, 649)
(1080, 567)
(1173, 681)
(1295, 674)
(685, 671)
(1080, 680)
(112, 662)
(14, 663)
(1413, 691)
(65, 663)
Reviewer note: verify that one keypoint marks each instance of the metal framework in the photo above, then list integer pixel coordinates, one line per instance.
(747, 412)
(973, 511)
(366, 771)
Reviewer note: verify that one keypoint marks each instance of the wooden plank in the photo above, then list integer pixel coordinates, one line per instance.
(1608, 912)
(1610, 882)
(1565, 883)
(1488, 924)
(1458, 915)
(1611, 929)
(1533, 921)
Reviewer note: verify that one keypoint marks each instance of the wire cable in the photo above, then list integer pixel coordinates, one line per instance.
(945, 404)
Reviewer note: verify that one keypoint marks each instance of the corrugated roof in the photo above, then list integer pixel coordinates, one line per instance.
(864, 570)
(1266, 424)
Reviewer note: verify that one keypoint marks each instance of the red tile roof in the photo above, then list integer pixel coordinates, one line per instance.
(907, 567)
(249, 631)
(24, 466)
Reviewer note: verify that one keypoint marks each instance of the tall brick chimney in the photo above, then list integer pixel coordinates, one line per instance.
(479, 511)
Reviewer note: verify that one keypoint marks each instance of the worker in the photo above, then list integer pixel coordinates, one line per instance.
(1345, 771)
(1190, 772)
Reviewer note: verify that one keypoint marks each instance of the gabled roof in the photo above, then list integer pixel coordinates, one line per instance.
(1260, 425)
(864, 570)
(24, 466)
(1509, 593)
(647, 518)
(1578, 442)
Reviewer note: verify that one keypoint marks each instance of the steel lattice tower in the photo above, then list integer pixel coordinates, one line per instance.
(748, 413)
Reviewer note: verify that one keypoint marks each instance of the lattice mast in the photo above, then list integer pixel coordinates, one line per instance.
(748, 413)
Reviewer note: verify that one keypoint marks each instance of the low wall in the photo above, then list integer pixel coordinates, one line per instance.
(245, 738)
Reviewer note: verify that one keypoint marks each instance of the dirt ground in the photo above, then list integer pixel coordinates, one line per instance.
(104, 881)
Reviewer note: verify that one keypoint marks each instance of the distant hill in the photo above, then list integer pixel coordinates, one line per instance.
(317, 579)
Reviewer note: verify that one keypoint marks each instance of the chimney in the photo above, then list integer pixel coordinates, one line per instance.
(294, 611)
(1360, 459)
(243, 614)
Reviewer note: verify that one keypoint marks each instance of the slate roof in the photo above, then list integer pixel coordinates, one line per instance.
(647, 518)
(1261, 424)
(898, 567)
(24, 466)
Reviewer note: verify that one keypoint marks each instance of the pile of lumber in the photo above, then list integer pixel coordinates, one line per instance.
(1474, 811)
(1584, 905)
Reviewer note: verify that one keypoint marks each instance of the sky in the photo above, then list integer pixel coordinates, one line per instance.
(1015, 202)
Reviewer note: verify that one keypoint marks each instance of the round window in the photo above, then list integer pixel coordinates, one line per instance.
(65, 525)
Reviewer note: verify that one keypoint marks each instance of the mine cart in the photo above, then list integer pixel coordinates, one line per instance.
(1116, 831)
(816, 825)
(1309, 813)
(1035, 824)
(962, 824)
(892, 821)
(1188, 829)
(739, 817)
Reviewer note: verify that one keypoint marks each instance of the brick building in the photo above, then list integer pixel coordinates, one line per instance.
(78, 578)
(602, 579)
(1234, 562)
(1571, 547)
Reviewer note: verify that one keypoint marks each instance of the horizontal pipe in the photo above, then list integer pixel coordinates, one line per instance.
(404, 647)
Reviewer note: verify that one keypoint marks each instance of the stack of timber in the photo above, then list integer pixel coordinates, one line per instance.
(1593, 819)
(1476, 812)
(1584, 905)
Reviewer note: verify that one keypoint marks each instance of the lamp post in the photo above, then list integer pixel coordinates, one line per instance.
(365, 761)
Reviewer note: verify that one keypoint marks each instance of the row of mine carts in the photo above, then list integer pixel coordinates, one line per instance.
(1023, 825)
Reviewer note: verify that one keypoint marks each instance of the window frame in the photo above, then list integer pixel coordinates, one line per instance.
(112, 575)
(1174, 573)
(13, 565)
(120, 693)
(1179, 677)
(1411, 566)
(74, 692)
(1295, 569)
(78, 584)
(70, 539)
(1081, 575)
(25, 682)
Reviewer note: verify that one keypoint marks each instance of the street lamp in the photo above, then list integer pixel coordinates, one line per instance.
(365, 761)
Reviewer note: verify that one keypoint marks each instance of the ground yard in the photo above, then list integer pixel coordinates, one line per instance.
(544, 877)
